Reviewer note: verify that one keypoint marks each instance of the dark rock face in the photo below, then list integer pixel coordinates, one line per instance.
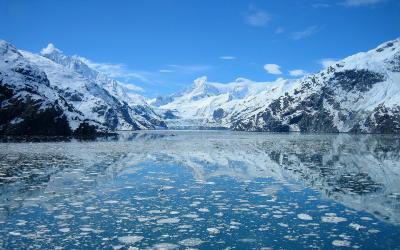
(356, 80)
(320, 122)
(69, 99)
(169, 115)
(25, 117)
(394, 63)
(31, 75)
(218, 114)
(312, 107)
(86, 129)
(382, 120)
(29, 105)
(356, 95)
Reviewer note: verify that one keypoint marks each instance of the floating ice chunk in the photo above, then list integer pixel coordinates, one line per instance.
(143, 219)
(195, 203)
(185, 226)
(204, 210)
(213, 230)
(304, 217)
(235, 223)
(156, 211)
(64, 230)
(341, 243)
(111, 202)
(164, 246)
(168, 221)
(132, 239)
(366, 218)
(191, 242)
(332, 218)
(64, 216)
(86, 229)
(356, 226)
(77, 204)
(21, 223)
(247, 240)
(14, 233)
(191, 215)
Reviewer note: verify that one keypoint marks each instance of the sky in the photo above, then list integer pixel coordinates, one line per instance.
(158, 47)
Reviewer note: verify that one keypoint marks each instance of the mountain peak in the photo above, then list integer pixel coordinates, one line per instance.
(6, 46)
(200, 81)
(50, 49)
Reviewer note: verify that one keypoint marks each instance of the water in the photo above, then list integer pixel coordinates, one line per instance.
(205, 190)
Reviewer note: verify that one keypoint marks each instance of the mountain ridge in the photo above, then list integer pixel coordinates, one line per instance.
(359, 94)
(37, 89)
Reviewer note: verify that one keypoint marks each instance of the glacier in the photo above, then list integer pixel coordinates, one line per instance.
(359, 94)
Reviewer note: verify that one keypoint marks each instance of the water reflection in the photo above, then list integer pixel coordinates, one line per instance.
(268, 180)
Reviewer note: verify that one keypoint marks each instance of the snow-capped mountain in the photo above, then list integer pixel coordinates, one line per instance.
(57, 94)
(209, 104)
(358, 94)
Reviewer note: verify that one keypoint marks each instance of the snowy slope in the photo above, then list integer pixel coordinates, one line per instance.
(210, 104)
(30, 105)
(66, 93)
(358, 94)
(132, 110)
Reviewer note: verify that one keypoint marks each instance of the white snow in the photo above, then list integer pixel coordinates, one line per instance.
(243, 99)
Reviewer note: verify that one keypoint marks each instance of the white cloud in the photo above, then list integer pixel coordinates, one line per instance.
(257, 17)
(356, 3)
(165, 71)
(227, 57)
(321, 5)
(309, 31)
(118, 70)
(50, 49)
(132, 87)
(297, 72)
(326, 62)
(273, 69)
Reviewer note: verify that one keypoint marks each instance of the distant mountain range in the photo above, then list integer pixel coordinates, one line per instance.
(359, 94)
(55, 94)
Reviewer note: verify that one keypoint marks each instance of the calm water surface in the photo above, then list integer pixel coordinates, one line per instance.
(201, 190)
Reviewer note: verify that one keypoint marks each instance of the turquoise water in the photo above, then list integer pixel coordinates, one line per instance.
(201, 190)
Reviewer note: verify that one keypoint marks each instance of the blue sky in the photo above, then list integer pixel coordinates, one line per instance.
(161, 46)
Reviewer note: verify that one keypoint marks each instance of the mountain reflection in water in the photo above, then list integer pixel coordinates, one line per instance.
(44, 179)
